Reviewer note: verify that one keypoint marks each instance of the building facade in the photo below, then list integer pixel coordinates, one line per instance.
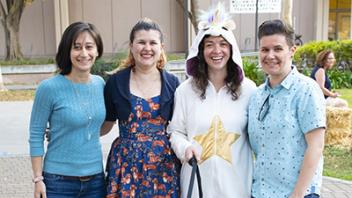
(43, 22)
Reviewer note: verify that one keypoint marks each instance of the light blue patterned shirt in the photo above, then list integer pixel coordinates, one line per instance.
(279, 117)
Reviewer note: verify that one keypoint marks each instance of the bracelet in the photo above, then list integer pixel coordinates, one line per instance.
(37, 179)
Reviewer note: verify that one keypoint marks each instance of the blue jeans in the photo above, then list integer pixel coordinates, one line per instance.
(58, 186)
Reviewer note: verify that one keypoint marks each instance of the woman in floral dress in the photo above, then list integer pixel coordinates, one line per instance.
(140, 96)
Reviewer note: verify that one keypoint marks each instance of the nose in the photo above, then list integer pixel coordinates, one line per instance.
(83, 52)
(147, 46)
(271, 54)
(217, 49)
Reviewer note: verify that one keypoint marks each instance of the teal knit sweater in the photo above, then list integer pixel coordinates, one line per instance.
(75, 113)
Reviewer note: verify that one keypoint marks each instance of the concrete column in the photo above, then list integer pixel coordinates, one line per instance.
(61, 18)
(2, 86)
(322, 20)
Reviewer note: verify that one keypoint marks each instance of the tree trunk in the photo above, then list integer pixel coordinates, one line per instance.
(14, 49)
(286, 11)
(193, 14)
(10, 15)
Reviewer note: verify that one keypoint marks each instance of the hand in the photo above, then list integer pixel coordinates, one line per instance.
(335, 95)
(39, 190)
(190, 151)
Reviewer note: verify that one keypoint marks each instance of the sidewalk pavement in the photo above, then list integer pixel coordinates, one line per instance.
(15, 165)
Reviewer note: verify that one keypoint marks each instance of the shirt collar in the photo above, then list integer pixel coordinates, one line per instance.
(287, 82)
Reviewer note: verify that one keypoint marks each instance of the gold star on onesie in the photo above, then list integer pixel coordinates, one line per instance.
(216, 141)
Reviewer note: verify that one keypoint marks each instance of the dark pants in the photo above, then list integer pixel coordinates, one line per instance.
(59, 186)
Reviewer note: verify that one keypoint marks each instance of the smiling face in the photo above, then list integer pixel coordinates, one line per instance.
(146, 48)
(83, 53)
(329, 61)
(276, 56)
(216, 53)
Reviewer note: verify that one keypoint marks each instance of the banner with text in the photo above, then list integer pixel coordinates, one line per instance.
(249, 6)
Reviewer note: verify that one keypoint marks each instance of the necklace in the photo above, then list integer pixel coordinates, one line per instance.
(84, 106)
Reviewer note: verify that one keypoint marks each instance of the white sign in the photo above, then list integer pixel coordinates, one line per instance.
(249, 6)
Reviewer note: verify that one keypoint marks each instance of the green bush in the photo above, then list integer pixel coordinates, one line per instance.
(341, 75)
(101, 66)
(253, 71)
(340, 79)
(305, 55)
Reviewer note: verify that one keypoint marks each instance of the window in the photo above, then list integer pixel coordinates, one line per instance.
(340, 19)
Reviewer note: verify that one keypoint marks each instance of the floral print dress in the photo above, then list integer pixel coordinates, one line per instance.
(141, 162)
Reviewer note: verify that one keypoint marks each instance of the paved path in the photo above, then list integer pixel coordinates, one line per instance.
(15, 167)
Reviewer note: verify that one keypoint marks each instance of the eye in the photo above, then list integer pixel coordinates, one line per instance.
(224, 44)
(264, 50)
(208, 44)
(278, 49)
(76, 46)
(89, 47)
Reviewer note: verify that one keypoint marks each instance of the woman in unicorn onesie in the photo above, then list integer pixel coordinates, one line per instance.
(210, 116)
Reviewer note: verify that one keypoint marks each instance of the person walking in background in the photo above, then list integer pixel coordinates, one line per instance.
(210, 115)
(325, 61)
(286, 121)
(72, 103)
(140, 96)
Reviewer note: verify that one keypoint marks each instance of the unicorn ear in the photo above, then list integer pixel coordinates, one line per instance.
(202, 25)
(230, 25)
(216, 17)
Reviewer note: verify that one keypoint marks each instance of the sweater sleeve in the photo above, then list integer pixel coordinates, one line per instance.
(41, 111)
(177, 128)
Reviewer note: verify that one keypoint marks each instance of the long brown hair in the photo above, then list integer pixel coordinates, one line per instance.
(322, 57)
(233, 79)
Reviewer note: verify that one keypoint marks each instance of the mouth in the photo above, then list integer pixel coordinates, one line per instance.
(217, 59)
(84, 61)
(147, 56)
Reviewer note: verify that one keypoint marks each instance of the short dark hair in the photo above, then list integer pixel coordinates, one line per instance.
(63, 56)
(276, 26)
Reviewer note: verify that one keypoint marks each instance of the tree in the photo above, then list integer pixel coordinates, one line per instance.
(286, 11)
(10, 17)
(193, 13)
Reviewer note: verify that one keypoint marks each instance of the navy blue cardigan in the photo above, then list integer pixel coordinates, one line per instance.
(117, 95)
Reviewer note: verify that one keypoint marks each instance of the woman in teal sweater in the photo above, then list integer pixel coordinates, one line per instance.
(72, 105)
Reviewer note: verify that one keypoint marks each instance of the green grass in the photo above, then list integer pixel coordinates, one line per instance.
(346, 94)
(338, 163)
(28, 61)
(338, 160)
(17, 95)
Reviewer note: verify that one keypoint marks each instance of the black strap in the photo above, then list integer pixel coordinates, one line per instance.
(195, 169)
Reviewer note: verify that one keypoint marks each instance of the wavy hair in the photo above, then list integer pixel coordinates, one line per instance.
(200, 81)
(322, 57)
